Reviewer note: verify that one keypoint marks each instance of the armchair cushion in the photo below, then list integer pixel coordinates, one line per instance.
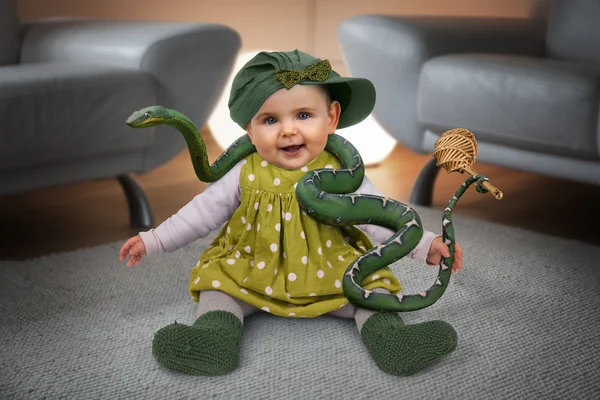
(55, 113)
(574, 30)
(9, 32)
(522, 102)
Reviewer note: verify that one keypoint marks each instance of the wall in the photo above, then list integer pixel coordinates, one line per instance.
(309, 25)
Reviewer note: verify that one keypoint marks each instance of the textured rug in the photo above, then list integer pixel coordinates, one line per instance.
(79, 325)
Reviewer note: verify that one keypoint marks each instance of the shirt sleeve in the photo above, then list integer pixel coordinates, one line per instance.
(205, 213)
(381, 234)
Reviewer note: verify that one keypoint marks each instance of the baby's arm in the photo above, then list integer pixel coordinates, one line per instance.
(381, 234)
(205, 213)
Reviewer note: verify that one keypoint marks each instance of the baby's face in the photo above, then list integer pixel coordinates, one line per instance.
(291, 127)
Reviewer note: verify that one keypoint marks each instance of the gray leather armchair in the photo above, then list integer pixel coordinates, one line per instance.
(68, 85)
(528, 88)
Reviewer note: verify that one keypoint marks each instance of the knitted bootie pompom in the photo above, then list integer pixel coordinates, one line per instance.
(402, 350)
(211, 346)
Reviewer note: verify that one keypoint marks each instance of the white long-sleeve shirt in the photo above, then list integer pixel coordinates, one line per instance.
(209, 210)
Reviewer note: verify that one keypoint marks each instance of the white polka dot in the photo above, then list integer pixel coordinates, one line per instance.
(269, 207)
(248, 227)
(284, 256)
(269, 290)
(304, 169)
(278, 227)
(244, 291)
(292, 314)
(244, 161)
(273, 247)
(275, 273)
(265, 308)
(196, 280)
(261, 265)
(231, 261)
(304, 260)
(243, 220)
(304, 213)
(205, 265)
(302, 235)
(386, 281)
(288, 296)
(338, 284)
(228, 229)
(320, 273)
(320, 251)
(295, 184)
(247, 249)
(257, 191)
(252, 263)
(258, 227)
(291, 277)
(237, 254)
(256, 205)
(375, 277)
(329, 166)
(245, 279)
(328, 243)
(230, 247)
(282, 214)
(288, 216)
(340, 258)
(251, 177)
(276, 181)
(312, 294)
(329, 264)
(216, 284)
(264, 163)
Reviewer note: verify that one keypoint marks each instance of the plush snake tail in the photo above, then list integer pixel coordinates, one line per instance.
(361, 268)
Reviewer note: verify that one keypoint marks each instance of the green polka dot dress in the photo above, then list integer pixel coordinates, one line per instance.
(272, 255)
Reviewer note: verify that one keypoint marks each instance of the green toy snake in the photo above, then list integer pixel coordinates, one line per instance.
(323, 194)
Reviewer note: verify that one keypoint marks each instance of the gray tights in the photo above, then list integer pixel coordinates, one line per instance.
(214, 300)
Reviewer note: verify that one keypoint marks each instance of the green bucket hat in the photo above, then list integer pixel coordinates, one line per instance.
(268, 72)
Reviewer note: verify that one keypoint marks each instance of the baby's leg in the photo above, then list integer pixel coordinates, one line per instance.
(400, 349)
(212, 345)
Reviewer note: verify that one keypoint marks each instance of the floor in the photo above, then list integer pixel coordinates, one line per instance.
(91, 213)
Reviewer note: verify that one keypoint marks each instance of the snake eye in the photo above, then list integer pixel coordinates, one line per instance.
(146, 114)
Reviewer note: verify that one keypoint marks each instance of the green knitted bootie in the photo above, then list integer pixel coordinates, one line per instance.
(211, 346)
(403, 350)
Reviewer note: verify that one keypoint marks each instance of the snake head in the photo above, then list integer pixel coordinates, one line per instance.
(146, 117)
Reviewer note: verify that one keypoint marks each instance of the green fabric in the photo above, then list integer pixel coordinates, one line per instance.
(402, 350)
(209, 347)
(272, 255)
(257, 80)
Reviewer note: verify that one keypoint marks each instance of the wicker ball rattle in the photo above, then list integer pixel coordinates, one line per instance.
(456, 150)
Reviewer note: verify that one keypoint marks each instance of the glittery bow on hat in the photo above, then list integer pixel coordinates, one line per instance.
(317, 72)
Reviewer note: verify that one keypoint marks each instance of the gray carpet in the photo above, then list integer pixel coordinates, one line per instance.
(79, 325)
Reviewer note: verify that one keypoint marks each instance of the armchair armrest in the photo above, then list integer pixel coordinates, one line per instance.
(390, 51)
(190, 62)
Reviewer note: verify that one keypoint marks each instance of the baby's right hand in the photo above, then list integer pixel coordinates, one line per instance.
(135, 248)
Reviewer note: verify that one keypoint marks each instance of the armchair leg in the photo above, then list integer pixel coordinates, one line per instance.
(422, 191)
(140, 211)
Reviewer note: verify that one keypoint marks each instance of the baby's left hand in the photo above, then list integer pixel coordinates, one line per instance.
(439, 249)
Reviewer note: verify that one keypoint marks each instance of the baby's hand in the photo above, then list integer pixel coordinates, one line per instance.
(439, 249)
(135, 248)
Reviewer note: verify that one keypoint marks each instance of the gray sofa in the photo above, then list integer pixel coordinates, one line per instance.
(68, 85)
(529, 89)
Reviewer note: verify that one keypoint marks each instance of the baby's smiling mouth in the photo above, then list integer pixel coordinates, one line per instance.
(294, 149)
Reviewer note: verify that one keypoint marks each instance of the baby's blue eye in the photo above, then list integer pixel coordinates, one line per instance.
(303, 116)
(270, 120)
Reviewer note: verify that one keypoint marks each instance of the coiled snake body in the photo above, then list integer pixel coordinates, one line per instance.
(327, 195)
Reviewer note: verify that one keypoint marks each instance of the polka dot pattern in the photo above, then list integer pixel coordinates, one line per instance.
(293, 265)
